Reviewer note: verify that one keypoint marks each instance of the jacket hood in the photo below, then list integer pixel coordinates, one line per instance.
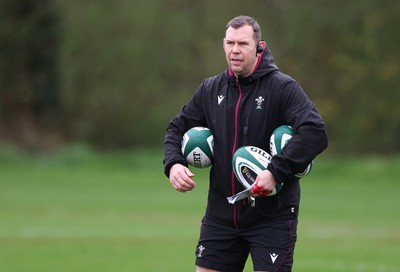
(265, 65)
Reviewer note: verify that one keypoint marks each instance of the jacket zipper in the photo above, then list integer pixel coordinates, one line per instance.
(234, 148)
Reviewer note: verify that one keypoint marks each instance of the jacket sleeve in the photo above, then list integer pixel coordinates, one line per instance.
(191, 115)
(310, 137)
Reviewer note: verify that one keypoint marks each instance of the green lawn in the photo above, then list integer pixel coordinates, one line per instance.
(81, 211)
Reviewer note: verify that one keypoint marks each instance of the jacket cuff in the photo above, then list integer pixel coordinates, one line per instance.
(279, 169)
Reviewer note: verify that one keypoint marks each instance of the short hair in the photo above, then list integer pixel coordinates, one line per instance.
(243, 20)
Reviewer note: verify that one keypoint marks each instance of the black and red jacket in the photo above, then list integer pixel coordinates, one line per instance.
(245, 111)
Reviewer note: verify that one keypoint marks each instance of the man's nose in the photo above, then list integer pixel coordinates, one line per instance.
(236, 48)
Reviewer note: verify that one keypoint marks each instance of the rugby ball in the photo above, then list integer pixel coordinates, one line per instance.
(305, 172)
(248, 162)
(197, 147)
(279, 138)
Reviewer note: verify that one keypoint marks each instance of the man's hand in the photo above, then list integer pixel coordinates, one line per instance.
(265, 183)
(181, 178)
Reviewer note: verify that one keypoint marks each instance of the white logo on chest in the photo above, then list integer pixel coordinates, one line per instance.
(259, 102)
(220, 98)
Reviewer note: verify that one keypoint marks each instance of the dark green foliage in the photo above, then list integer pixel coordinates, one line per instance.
(29, 75)
(116, 72)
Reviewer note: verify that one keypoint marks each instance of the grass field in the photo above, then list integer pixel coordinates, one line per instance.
(80, 211)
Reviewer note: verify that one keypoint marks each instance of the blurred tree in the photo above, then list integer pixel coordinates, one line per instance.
(126, 67)
(347, 57)
(125, 64)
(28, 70)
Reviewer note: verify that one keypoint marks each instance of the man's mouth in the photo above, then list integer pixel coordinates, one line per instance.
(236, 61)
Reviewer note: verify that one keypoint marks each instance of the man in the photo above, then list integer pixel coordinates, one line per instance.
(242, 106)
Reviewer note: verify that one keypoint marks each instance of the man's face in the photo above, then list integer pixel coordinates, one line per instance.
(240, 50)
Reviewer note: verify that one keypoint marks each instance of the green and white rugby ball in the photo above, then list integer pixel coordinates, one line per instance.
(248, 162)
(198, 147)
(279, 138)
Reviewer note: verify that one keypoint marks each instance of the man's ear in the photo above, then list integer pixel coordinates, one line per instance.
(262, 45)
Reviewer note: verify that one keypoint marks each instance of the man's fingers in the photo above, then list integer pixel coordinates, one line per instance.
(183, 184)
(181, 178)
(189, 173)
(257, 190)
